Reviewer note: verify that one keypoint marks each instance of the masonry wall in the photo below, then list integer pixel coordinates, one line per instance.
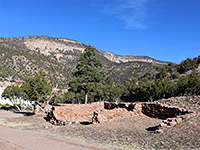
(151, 109)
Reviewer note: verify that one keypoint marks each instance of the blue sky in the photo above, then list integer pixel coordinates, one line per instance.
(167, 30)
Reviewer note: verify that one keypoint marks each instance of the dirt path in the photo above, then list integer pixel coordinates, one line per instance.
(16, 139)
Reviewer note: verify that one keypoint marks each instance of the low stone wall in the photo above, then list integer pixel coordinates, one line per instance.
(151, 109)
(170, 115)
(158, 110)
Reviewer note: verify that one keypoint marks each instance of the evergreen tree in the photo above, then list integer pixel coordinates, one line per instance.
(103, 92)
(193, 86)
(69, 97)
(117, 92)
(36, 87)
(88, 77)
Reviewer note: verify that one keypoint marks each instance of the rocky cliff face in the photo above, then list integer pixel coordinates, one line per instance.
(60, 49)
(123, 59)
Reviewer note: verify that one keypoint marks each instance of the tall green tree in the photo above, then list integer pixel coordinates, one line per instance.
(36, 87)
(88, 76)
(117, 92)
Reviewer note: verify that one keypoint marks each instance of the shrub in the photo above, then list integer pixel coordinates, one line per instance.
(7, 105)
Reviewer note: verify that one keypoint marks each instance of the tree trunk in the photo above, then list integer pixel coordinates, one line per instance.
(48, 108)
(15, 105)
(86, 98)
(40, 107)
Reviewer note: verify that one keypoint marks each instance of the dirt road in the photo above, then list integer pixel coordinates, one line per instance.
(16, 139)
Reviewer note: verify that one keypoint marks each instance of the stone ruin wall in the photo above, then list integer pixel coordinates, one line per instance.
(109, 111)
(170, 115)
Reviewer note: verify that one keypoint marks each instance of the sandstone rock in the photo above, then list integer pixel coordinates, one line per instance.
(159, 131)
(172, 123)
(187, 116)
(178, 120)
(163, 125)
(165, 121)
(192, 114)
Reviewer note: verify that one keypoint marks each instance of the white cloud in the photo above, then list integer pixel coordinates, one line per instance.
(132, 13)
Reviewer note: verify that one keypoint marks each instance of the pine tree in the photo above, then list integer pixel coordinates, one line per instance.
(36, 87)
(88, 76)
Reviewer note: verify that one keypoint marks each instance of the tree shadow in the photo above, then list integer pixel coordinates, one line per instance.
(85, 123)
(24, 113)
(7, 108)
(152, 129)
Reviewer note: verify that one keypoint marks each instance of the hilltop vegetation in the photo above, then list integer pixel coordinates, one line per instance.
(58, 57)
(16, 64)
(167, 82)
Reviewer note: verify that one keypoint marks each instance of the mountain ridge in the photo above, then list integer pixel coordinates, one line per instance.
(30, 42)
(58, 56)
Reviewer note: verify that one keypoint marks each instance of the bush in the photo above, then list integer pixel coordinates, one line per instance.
(176, 75)
(7, 105)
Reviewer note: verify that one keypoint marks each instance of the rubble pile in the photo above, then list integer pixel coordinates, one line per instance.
(169, 122)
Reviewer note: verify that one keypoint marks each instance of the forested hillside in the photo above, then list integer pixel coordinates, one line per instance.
(169, 81)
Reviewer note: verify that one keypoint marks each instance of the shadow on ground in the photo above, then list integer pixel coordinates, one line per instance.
(24, 113)
(7, 108)
(85, 123)
(152, 129)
